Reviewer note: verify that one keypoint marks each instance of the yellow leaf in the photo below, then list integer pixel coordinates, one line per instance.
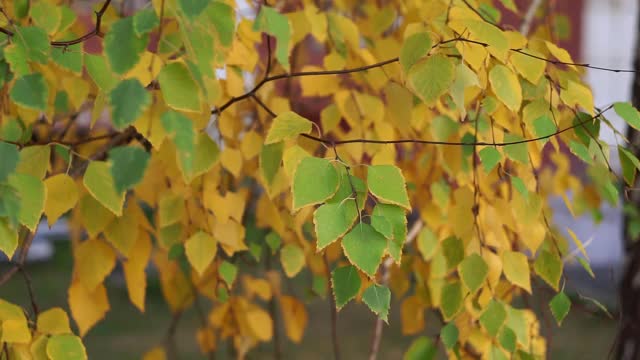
(260, 287)
(251, 145)
(530, 68)
(170, 209)
(146, 69)
(62, 195)
(134, 270)
(206, 340)
(578, 243)
(9, 311)
(156, 353)
(560, 54)
(412, 315)
(295, 317)
(230, 235)
(287, 125)
(8, 238)
(231, 160)
(318, 85)
(34, 161)
(259, 323)
(15, 331)
(99, 183)
(94, 261)
(95, 217)
(200, 249)
(578, 95)
(77, 89)
(53, 321)
(516, 269)
(122, 233)
(87, 307)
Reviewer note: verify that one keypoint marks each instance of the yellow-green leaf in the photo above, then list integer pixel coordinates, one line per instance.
(287, 125)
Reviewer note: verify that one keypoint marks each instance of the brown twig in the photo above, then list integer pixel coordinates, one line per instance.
(334, 312)
(385, 274)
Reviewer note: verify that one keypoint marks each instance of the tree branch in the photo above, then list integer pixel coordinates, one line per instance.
(95, 32)
(525, 27)
(377, 332)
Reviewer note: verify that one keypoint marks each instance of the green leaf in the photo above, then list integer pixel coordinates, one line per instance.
(122, 47)
(387, 184)
(560, 306)
(192, 8)
(66, 347)
(179, 89)
(451, 300)
(292, 259)
(8, 238)
(453, 251)
(9, 204)
(223, 19)
(99, 183)
(349, 183)
(287, 125)
(520, 186)
(493, 318)
(629, 163)
(34, 42)
(205, 155)
(544, 126)
(345, 282)
(378, 299)
(46, 15)
(69, 58)
(507, 339)
(442, 127)
(581, 151)
(228, 272)
(473, 272)
(421, 348)
(364, 248)
(431, 77)
(10, 156)
(449, 335)
(517, 152)
(176, 251)
(128, 165)
(31, 193)
(396, 216)
(506, 86)
(273, 240)
(270, 159)
(414, 47)
(144, 21)
(549, 267)
(16, 57)
(30, 91)
(314, 181)
(382, 225)
(129, 100)
(332, 221)
(180, 128)
(34, 161)
(269, 20)
(626, 111)
(319, 285)
(100, 72)
(490, 157)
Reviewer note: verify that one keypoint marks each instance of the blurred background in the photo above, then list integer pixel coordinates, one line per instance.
(598, 32)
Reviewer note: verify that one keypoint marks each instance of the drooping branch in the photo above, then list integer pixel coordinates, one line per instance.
(95, 32)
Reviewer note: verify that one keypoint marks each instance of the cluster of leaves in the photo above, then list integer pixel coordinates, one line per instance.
(142, 131)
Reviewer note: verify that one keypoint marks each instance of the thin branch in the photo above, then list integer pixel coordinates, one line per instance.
(454, 143)
(95, 32)
(29, 284)
(525, 27)
(472, 8)
(377, 332)
(334, 312)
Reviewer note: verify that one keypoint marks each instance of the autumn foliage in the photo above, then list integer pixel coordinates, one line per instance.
(404, 151)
